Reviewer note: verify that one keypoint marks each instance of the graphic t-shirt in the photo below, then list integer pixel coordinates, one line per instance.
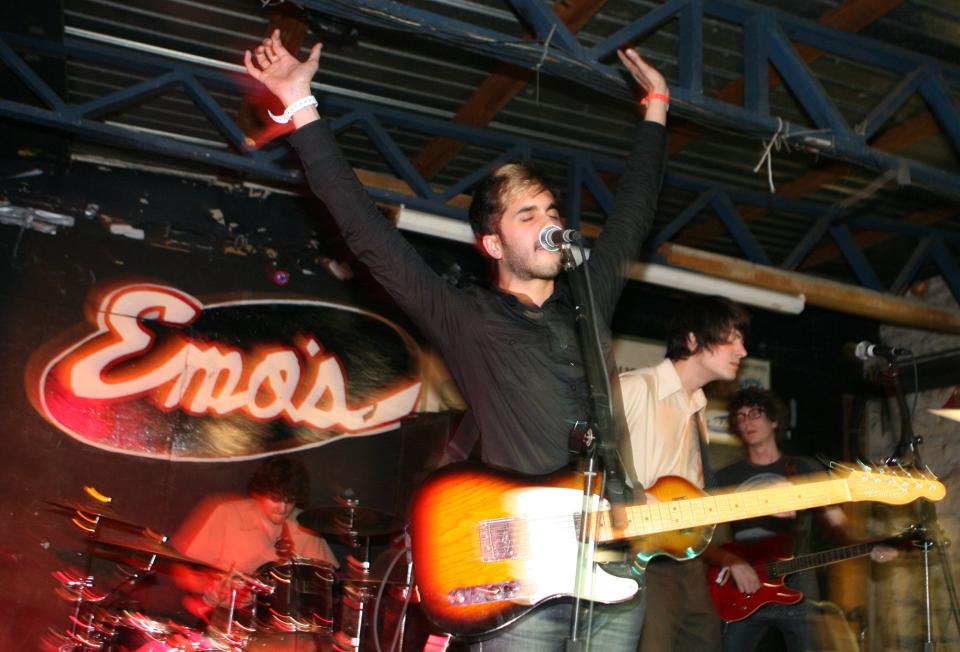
(746, 476)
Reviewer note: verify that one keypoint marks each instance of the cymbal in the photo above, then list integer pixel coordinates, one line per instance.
(338, 519)
(93, 510)
(150, 547)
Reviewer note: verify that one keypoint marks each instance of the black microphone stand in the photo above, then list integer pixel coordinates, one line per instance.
(598, 446)
(929, 533)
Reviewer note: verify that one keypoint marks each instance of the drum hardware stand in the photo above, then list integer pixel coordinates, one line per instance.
(234, 635)
(87, 629)
(347, 527)
(407, 594)
(930, 535)
(84, 630)
(356, 578)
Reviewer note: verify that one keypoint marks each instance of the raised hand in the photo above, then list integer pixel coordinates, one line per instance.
(282, 73)
(649, 81)
(647, 77)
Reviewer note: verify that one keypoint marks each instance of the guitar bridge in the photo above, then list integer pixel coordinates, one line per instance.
(483, 593)
(498, 541)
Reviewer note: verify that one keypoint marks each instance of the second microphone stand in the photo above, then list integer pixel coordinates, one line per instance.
(928, 525)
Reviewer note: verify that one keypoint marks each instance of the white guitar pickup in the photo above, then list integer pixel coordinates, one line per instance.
(723, 575)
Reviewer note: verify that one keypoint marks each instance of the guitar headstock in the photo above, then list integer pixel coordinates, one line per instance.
(891, 485)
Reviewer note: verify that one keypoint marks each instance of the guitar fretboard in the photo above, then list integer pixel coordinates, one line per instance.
(686, 513)
(786, 566)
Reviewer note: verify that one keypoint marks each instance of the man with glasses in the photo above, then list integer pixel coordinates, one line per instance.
(664, 407)
(757, 417)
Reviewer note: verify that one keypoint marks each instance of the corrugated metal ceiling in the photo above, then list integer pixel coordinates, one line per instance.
(435, 79)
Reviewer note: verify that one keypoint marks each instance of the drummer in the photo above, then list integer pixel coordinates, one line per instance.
(239, 534)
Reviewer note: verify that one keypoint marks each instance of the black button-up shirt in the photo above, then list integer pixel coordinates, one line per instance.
(518, 366)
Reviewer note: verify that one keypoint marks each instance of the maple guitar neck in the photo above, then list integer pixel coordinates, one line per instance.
(702, 511)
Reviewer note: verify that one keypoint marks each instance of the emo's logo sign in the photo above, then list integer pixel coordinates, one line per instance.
(166, 376)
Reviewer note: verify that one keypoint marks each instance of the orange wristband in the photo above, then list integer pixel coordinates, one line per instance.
(656, 96)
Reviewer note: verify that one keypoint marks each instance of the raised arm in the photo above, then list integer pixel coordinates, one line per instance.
(638, 188)
(392, 261)
(652, 89)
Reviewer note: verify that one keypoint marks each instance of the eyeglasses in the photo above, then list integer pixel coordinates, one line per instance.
(750, 415)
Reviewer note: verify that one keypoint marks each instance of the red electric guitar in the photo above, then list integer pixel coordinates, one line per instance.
(772, 561)
(490, 546)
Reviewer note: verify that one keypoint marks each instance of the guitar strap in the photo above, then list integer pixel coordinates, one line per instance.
(709, 479)
(464, 439)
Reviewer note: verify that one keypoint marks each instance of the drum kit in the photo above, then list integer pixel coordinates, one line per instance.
(288, 604)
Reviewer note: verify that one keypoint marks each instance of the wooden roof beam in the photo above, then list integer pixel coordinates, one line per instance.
(832, 295)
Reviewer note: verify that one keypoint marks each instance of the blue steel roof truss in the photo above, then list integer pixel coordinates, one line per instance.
(833, 136)
(583, 167)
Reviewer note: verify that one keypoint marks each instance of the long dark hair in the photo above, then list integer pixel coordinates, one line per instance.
(711, 319)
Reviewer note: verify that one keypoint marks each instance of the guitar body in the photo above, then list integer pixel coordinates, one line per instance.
(732, 605)
(677, 544)
(489, 546)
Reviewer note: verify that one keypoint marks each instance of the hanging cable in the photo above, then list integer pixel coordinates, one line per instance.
(778, 140)
(543, 57)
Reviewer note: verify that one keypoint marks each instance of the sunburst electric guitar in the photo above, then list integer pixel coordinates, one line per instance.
(489, 546)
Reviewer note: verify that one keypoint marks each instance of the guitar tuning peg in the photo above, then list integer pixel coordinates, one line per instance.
(912, 472)
(930, 475)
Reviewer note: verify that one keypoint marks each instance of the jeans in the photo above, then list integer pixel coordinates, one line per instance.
(795, 622)
(615, 627)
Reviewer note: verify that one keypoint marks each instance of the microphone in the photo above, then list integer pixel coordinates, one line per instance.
(552, 237)
(866, 350)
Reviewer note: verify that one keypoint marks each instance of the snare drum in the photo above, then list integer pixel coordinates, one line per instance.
(302, 596)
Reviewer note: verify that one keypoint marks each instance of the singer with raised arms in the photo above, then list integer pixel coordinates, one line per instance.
(513, 348)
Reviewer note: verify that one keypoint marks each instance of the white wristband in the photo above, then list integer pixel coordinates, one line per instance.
(302, 103)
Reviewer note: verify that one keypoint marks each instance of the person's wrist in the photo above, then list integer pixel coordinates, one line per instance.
(656, 96)
(291, 109)
(290, 92)
(289, 97)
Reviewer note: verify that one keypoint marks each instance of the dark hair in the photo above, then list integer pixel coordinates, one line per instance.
(490, 196)
(281, 477)
(764, 399)
(711, 319)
